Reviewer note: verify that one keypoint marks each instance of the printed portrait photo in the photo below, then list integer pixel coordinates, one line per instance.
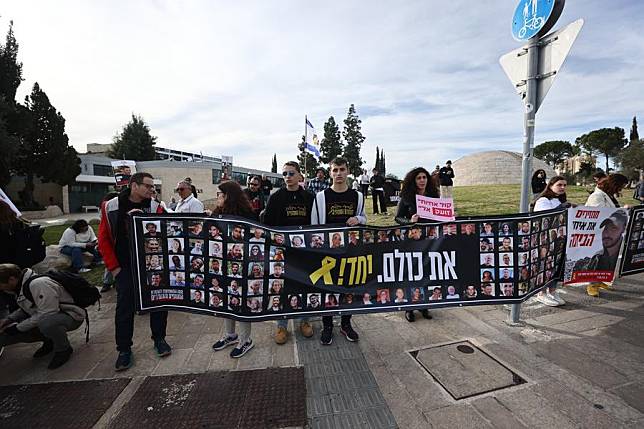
(176, 262)
(522, 288)
(153, 263)
(294, 302)
(234, 303)
(254, 304)
(155, 280)
(487, 275)
(255, 270)
(277, 270)
(214, 233)
(278, 239)
(215, 249)
(505, 244)
(234, 288)
(234, 269)
(196, 296)
(255, 287)
(216, 300)
(174, 228)
(451, 293)
(196, 246)
(524, 259)
(433, 232)
(297, 240)
(367, 299)
(236, 232)
(487, 290)
(256, 253)
(505, 229)
(486, 244)
(523, 227)
(152, 245)
(506, 259)
(525, 243)
(196, 264)
(435, 293)
(416, 233)
(332, 300)
(316, 241)
(400, 297)
(152, 229)
(277, 253)
(274, 303)
(507, 289)
(468, 229)
(487, 229)
(175, 246)
(382, 236)
(354, 238)
(197, 281)
(368, 236)
(195, 228)
(177, 279)
(449, 229)
(347, 299)
(536, 225)
(336, 240)
(257, 235)
(470, 292)
(487, 260)
(235, 251)
(396, 234)
(383, 296)
(416, 294)
(215, 267)
(275, 286)
(215, 285)
(313, 301)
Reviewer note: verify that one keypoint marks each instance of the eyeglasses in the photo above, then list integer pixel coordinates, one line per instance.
(288, 173)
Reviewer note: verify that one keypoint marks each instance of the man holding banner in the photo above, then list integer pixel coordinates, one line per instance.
(338, 205)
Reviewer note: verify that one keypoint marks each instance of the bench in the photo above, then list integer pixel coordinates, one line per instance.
(88, 208)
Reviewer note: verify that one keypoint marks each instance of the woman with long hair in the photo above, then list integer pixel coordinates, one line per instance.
(605, 195)
(538, 182)
(417, 182)
(231, 200)
(552, 197)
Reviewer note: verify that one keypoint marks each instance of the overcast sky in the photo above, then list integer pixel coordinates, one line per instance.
(237, 78)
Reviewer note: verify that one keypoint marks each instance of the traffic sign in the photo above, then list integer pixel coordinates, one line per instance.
(535, 18)
(553, 50)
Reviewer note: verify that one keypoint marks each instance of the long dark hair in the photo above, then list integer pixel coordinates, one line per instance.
(549, 194)
(534, 176)
(408, 191)
(236, 202)
(613, 184)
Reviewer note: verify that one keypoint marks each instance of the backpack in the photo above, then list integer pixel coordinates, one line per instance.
(82, 292)
(30, 246)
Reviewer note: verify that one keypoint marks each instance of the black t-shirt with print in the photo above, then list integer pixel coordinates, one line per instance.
(340, 206)
(289, 208)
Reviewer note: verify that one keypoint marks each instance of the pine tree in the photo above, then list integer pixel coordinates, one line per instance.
(634, 137)
(354, 139)
(331, 146)
(377, 164)
(274, 166)
(134, 142)
(10, 78)
(311, 163)
(44, 149)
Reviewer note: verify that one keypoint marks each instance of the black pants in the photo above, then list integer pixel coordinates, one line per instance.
(124, 319)
(327, 321)
(378, 195)
(364, 188)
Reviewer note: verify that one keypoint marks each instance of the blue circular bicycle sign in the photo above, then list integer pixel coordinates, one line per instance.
(530, 17)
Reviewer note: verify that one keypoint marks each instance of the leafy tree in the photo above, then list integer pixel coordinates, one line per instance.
(331, 146)
(377, 165)
(44, 149)
(632, 159)
(634, 136)
(354, 139)
(554, 152)
(606, 141)
(134, 142)
(274, 166)
(10, 78)
(311, 163)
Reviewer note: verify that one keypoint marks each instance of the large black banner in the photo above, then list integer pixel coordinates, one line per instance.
(246, 271)
(633, 252)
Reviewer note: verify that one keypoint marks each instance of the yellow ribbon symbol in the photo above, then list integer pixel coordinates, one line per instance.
(328, 263)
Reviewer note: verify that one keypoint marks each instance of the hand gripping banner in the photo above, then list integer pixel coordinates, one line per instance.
(243, 270)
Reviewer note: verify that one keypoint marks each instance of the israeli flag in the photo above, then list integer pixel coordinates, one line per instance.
(312, 143)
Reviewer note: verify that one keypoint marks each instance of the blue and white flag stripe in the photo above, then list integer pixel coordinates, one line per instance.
(312, 144)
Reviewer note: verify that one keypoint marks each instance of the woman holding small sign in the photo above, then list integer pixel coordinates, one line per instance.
(417, 182)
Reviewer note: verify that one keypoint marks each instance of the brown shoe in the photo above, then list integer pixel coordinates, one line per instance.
(306, 329)
(281, 335)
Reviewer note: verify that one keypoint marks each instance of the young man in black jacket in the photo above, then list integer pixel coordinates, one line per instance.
(378, 192)
(290, 206)
(446, 178)
(338, 205)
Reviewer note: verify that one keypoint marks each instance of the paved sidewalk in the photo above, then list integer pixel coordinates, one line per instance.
(582, 364)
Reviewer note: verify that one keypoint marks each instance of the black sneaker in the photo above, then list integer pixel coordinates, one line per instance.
(124, 361)
(242, 349)
(46, 348)
(410, 316)
(349, 333)
(60, 358)
(225, 342)
(426, 314)
(327, 336)
(162, 348)
(106, 288)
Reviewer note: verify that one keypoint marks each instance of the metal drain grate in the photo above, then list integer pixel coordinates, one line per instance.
(465, 370)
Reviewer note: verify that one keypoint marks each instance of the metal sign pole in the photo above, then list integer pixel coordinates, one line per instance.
(528, 142)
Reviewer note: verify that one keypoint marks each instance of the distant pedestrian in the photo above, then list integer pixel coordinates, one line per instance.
(188, 203)
(446, 179)
(378, 191)
(364, 183)
(538, 183)
(192, 187)
(319, 183)
(255, 195)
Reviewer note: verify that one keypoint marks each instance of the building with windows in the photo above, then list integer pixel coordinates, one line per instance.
(96, 178)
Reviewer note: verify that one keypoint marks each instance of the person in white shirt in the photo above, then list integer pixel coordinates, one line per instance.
(364, 182)
(76, 240)
(188, 202)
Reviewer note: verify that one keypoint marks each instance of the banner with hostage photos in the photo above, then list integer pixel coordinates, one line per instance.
(633, 253)
(595, 236)
(243, 270)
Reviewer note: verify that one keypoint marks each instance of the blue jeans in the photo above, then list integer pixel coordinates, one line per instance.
(76, 253)
(282, 323)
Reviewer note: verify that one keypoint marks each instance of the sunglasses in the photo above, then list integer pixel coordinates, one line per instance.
(288, 173)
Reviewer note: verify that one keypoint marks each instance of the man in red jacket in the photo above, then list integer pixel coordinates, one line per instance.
(113, 243)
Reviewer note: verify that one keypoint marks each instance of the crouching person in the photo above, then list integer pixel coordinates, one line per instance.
(46, 318)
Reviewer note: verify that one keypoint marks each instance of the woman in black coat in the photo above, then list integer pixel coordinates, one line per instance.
(417, 182)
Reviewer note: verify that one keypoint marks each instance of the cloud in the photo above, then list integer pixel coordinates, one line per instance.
(237, 78)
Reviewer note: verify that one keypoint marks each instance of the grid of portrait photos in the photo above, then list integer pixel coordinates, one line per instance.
(633, 259)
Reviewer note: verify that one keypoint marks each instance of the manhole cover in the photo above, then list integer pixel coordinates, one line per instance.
(56, 405)
(267, 398)
(465, 370)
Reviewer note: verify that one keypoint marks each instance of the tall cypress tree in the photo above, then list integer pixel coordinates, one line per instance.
(383, 166)
(377, 164)
(274, 166)
(353, 137)
(331, 145)
(634, 137)
(10, 78)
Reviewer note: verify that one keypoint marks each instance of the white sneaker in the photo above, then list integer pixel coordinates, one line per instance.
(84, 270)
(548, 300)
(556, 297)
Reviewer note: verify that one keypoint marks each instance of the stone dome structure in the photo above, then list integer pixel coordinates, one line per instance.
(495, 167)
